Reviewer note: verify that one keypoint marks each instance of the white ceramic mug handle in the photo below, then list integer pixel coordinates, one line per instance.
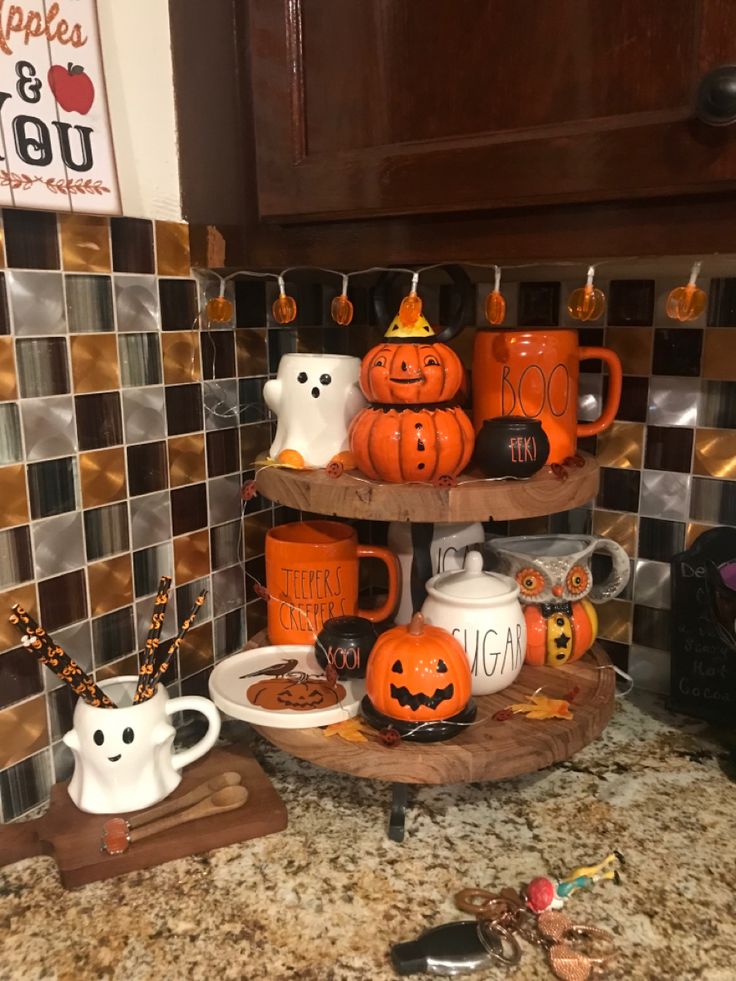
(195, 703)
(619, 576)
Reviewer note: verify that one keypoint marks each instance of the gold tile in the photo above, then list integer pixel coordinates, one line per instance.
(614, 621)
(102, 476)
(719, 355)
(619, 527)
(85, 243)
(13, 497)
(186, 459)
(94, 362)
(255, 441)
(621, 446)
(110, 584)
(255, 527)
(172, 249)
(181, 357)
(195, 653)
(26, 596)
(694, 531)
(8, 381)
(23, 730)
(634, 346)
(191, 556)
(252, 354)
(116, 669)
(715, 452)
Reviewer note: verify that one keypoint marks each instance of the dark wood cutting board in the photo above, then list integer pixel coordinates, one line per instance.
(72, 837)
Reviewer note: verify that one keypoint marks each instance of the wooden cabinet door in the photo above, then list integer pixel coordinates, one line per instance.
(407, 107)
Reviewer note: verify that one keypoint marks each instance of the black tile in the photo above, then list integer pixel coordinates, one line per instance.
(25, 785)
(659, 539)
(250, 397)
(713, 501)
(651, 627)
(619, 490)
(677, 351)
(132, 245)
(185, 597)
(197, 684)
(106, 531)
(539, 304)
(62, 599)
(113, 635)
(309, 303)
(226, 544)
(591, 337)
(184, 408)
(99, 422)
(280, 342)
(31, 240)
(618, 653)
(717, 405)
(218, 354)
(16, 563)
(188, 508)
(52, 487)
(20, 675)
(722, 302)
(147, 468)
(578, 521)
(634, 398)
(4, 317)
(62, 702)
(223, 452)
(588, 444)
(229, 633)
(250, 303)
(669, 448)
(631, 302)
(255, 573)
(149, 564)
(178, 302)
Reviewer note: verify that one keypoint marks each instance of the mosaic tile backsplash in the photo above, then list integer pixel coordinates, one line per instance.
(126, 433)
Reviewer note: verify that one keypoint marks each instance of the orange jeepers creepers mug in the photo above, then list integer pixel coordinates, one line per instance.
(534, 373)
(312, 576)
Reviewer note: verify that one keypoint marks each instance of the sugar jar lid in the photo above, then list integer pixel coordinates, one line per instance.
(472, 582)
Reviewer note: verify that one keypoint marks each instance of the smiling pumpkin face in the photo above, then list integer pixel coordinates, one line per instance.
(280, 694)
(411, 373)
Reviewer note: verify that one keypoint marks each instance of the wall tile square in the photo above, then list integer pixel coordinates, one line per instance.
(102, 476)
(136, 302)
(178, 303)
(619, 489)
(621, 446)
(110, 584)
(99, 421)
(223, 452)
(37, 302)
(13, 498)
(149, 564)
(22, 727)
(26, 596)
(191, 556)
(25, 785)
(719, 355)
(140, 359)
(634, 398)
(52, 487)
(48, 427)
(539, 304)
(42, 366)
(144, 414)
(631, 302)
(172, 248)
(116, 669)
(186, 459)
(184, 409)
(251, 352)
(147, 468)
(590, 397)
(106, 531)
(220, 404)
(16, 565)
(228, 590)
(715, 453)
(665, 495)
(113, 636)
(255, 441)
(186, 595)
(669, 448)
(713, 501)
(85, 243)
(21, 674)
(132, 245)
(196, 652)
(255, 574)
(717, 407)
(652, 584)
(673, 401)
(677, 351)
(30, 239)
(633, 346)
(251, 303)
(226, 543)
(614, 621)
(224, 498)
(189, 508)
(150, 518)
(62, 702)
(63, 599)
(619, 526)
(94, 362)
(229, 633)
(181, 357)
(8, 381)
(4, 311)
(722, 302)
(77, 642)
(89, 306)
(11, 449)
(660, 540)
(651, 627)
(255, 617)
(218, 353)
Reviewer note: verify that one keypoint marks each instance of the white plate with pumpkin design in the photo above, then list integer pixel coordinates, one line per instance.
(283, 686)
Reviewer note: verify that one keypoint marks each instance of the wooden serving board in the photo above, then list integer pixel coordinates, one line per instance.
(72, 837)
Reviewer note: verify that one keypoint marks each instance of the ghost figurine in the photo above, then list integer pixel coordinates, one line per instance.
(315, 397)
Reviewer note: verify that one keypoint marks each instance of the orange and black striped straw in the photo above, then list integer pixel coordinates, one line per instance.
(148, 660)
(150, 687)
(37, 641)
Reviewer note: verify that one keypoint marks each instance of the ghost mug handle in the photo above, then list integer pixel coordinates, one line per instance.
(195, 703)
(618, 578)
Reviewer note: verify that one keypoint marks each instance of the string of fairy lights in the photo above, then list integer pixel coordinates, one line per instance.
(585, 303)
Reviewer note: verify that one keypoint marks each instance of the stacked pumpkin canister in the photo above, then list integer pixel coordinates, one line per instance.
(412, 431)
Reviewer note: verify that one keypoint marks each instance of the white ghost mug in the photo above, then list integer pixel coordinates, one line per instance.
(315, 397)
(123, 757)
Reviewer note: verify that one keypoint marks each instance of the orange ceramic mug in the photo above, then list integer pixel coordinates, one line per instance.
(534, 373)
(312, 576)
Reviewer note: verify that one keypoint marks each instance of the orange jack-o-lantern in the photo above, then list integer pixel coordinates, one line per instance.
(298, 694)
(418, 673)
(411, 444)
(411, 372)
(558, 633)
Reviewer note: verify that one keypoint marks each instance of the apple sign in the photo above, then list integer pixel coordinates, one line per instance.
(72, 88)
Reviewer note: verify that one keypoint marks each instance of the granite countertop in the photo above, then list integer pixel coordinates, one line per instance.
(323, 900)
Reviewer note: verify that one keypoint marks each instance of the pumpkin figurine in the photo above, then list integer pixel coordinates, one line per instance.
(418, 683)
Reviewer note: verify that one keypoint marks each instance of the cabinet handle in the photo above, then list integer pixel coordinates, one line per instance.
(715, 103)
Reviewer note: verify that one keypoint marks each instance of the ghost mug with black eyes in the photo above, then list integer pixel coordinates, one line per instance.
(123, 757)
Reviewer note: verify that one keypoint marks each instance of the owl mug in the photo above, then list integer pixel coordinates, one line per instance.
(557, 591)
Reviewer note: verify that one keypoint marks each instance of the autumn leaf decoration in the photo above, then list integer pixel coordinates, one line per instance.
(57, 185)
(541, 707)
(351, 730)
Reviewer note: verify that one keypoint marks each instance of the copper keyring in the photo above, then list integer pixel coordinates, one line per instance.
(481, 903)
(495, 946)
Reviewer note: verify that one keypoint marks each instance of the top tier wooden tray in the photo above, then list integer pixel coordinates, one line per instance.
(473, 499)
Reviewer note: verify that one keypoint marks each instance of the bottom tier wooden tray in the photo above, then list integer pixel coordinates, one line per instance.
(486, 750)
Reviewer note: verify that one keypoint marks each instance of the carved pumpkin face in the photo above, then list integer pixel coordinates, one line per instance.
(418, 673)
(411, 373)
(279, 694)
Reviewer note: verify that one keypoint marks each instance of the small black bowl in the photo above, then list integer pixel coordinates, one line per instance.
(511, 446)
(346, 642)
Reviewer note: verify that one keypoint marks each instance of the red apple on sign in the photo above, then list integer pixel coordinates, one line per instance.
(72, 88)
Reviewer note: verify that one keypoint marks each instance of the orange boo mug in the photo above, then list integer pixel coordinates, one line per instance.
(535, 374)
(312, 576)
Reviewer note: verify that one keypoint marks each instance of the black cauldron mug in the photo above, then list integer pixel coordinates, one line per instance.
(511, 446)
(346, 643)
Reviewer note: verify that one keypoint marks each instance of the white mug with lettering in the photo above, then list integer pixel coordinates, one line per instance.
(482, 611)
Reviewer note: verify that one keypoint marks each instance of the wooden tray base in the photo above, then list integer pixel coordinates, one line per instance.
(72, 837)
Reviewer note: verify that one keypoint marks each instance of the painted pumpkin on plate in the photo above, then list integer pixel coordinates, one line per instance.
(412, 444)
(418, 673)
(296, 694)
(411, 372)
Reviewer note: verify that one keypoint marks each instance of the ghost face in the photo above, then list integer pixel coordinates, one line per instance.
(317, 384)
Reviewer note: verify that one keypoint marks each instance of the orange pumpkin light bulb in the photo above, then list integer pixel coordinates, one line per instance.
(219, 310)
(341, 309)
(495, 303)
(284, 307)
(586, 302)
(411, 305)
(686, 303)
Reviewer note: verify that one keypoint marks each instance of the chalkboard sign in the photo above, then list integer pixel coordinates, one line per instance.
(703, 678)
